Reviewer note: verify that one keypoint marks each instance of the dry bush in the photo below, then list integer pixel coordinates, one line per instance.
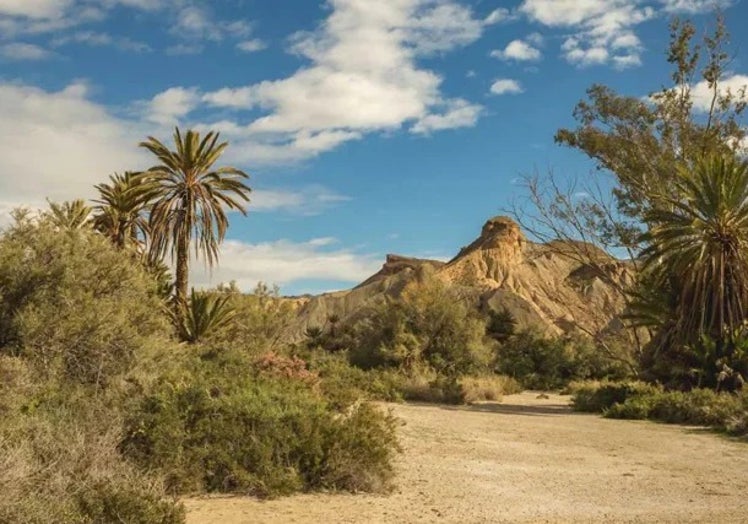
(66, 468)
(488, 387)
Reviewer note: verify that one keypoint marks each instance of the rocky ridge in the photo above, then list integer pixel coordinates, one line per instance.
(547, 287)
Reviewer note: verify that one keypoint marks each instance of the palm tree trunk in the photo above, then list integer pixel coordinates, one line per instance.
(182, 277)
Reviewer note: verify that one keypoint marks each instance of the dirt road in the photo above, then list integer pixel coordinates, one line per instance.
(528, 460)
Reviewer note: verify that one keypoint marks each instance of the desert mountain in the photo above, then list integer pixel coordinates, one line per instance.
(548, 287)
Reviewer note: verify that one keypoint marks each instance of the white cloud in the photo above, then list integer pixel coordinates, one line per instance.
(308, 201)
(603, 30)
(577, 54)
(193, 22)
(251, 46)
(441, 26)
(284, 262)
(59, 144)
(363, 77)
(518, 50)
(506, 86)
(499, 15)
(702, 95)
(457, 113)
(694, 6)
(22, 51)
(168, 107)
(37, 9)
(242, 97)
(19, 17)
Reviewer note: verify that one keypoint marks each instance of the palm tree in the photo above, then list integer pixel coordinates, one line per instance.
(119, 210)
(205, 314)
(69, 215)
(698, 250)
(190, 202)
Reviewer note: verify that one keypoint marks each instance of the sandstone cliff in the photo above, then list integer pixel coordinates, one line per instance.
(548, 287)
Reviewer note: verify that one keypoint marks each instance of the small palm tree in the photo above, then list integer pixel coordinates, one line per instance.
(698, 248)
(205, 313)
(119, 213)
(190, 201)
(69, 215)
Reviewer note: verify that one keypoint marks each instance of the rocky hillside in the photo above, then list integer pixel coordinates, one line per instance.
(548, 287)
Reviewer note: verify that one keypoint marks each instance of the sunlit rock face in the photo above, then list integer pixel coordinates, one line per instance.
(547, 287)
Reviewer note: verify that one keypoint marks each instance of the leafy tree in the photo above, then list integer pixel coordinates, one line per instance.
(640, 148)
(637, 145)
(119, 213)
(642, 142)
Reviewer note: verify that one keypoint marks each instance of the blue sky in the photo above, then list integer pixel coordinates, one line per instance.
(368, 127)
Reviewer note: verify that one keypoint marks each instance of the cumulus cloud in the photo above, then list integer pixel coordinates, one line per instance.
(518, 50)
(168, 107)
(604, 31)
(501, 14)
(362, 77)
(284, 262)
(506, 86)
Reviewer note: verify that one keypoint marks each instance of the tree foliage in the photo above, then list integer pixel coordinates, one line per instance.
(120, 210)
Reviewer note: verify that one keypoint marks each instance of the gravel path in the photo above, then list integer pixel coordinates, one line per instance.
(527, 460)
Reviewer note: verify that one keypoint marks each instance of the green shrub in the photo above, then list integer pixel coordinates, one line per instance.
(72, 304)
(539, 362)
(260, 321)
(634, 408)
(343, 384)
(219, 426)
(428, 325)
(596, 397)
(726, 412)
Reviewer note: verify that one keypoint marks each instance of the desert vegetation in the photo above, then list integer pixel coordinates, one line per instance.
(122, 389)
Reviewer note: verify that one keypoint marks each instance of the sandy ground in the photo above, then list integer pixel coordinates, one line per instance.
(528, 460)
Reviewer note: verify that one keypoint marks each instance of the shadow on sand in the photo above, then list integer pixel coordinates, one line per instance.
(537, 410)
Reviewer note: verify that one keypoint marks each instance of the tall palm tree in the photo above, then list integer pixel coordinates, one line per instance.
(119, 213)
(191, 199)
(698, 249)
